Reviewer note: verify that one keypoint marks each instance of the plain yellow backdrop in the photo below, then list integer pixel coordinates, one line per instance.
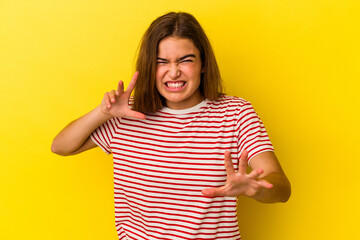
(296, 61)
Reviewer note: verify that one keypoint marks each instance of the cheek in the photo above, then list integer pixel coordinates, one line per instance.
(158, 76)
(158, 81)
(192, 70)
(159, 73)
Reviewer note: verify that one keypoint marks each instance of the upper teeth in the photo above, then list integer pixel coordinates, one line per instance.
(175, 84)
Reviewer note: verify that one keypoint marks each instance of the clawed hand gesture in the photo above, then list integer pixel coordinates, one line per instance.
(239, 183)
(116, 103)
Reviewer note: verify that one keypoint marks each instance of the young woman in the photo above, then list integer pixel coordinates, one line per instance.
(180, 146)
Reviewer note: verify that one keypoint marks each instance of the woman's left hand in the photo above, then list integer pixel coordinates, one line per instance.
(239, 183)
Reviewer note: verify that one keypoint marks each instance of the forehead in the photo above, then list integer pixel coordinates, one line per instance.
(176, 47)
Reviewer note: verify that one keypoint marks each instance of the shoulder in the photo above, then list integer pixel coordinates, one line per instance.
(233, 106)
(226, 101)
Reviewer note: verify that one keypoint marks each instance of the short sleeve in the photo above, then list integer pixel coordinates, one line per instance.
(103, 135)
(251, 133)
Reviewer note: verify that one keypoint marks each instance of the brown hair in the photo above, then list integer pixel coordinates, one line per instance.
(183, 25)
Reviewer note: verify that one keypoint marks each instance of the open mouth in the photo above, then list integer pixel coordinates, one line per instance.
(175, 85)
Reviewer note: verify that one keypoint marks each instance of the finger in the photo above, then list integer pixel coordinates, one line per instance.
(243, 162)
(135, 114)
(120, 88)
(265, 184)
(112, 96)
(228, 164)
(132, 82)
(213, 192)
(107, 100)
(256, 173)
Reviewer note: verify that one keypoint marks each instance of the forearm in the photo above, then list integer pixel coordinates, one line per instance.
(73, 136)
(280, 192)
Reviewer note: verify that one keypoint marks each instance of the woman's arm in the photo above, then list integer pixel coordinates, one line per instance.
(75, 137)
(272, 173)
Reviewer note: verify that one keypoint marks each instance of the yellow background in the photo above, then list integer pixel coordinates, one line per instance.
(296, 61)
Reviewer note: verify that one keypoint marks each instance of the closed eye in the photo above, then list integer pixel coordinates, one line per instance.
(187, 60)
(161, 61)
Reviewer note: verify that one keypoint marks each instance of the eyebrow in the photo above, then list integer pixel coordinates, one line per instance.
(182, 58)
(187, 56)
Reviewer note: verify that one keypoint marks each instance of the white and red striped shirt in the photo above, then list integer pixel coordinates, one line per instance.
(161, 164)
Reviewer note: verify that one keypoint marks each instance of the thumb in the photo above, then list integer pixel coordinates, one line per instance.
(135, 114)
(213, 192)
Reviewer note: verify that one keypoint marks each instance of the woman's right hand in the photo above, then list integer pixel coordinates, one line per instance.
(116, 103)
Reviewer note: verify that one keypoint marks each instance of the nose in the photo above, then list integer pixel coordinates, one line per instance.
(174, 71)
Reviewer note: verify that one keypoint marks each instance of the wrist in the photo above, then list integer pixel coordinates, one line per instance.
(102, 115)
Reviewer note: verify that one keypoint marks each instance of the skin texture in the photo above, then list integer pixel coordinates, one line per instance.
(179, 62)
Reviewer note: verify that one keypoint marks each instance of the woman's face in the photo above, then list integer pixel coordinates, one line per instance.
(178, 72)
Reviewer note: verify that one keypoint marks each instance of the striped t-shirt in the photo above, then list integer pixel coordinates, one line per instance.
(161, 164)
